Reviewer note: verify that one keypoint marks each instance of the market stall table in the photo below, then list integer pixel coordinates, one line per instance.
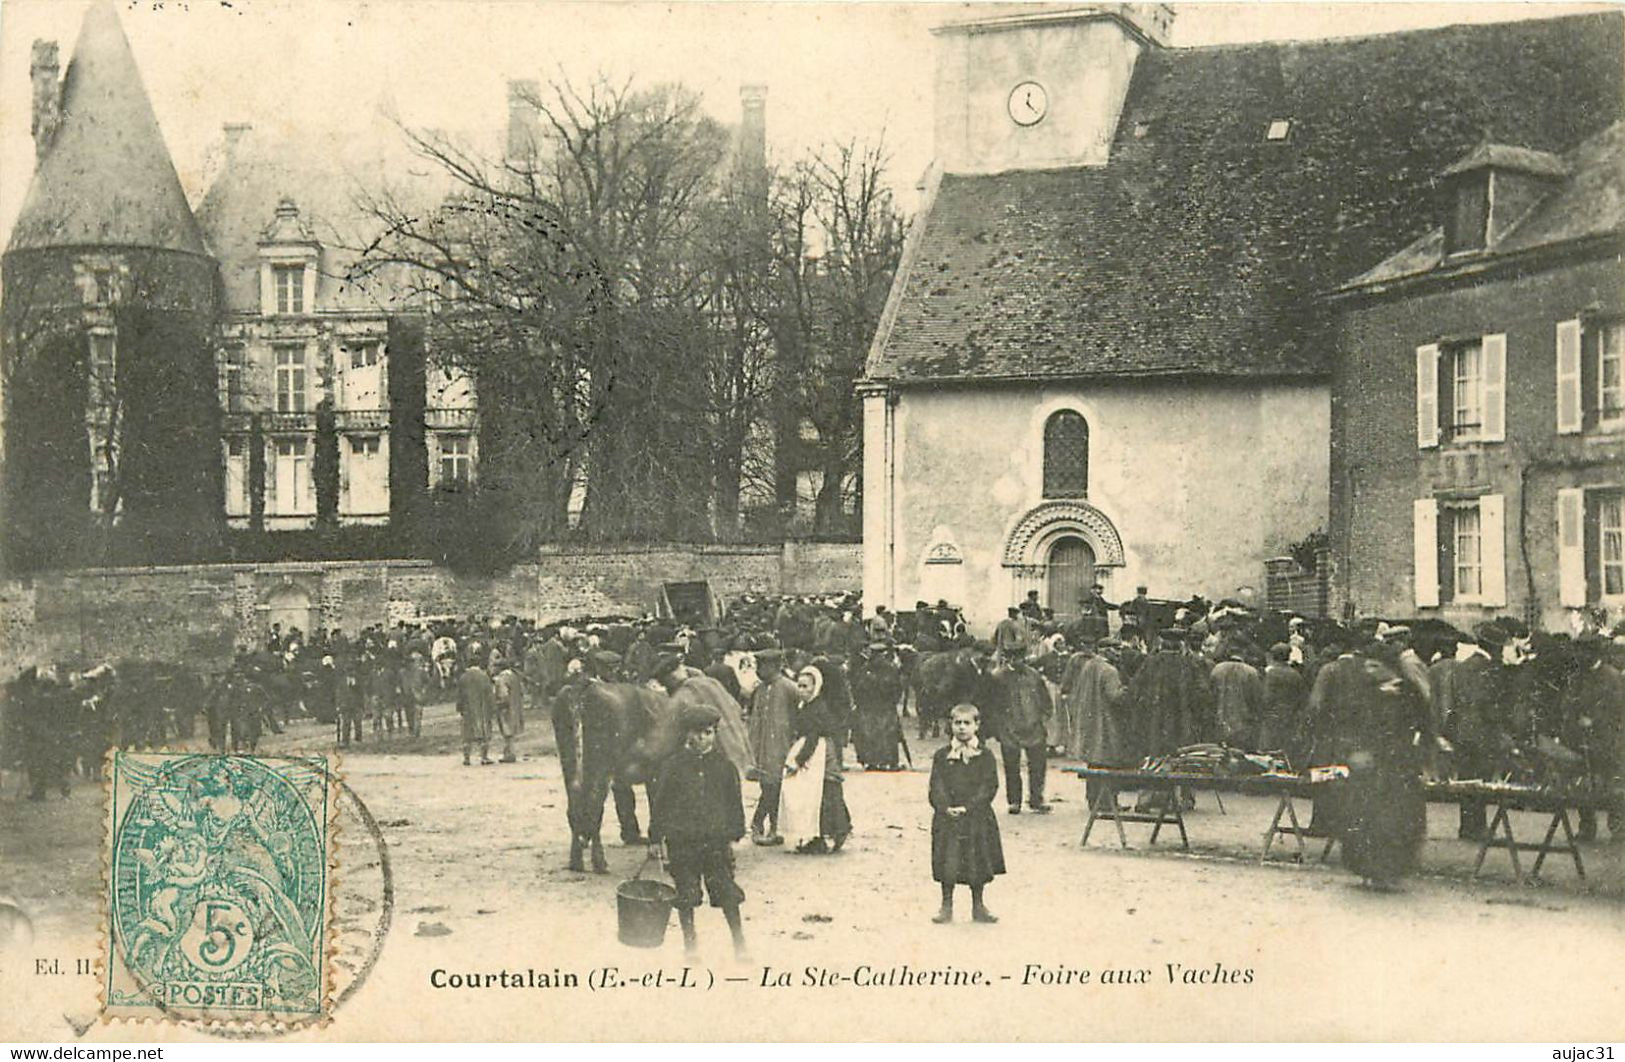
(1170, 812)
(1506, 798)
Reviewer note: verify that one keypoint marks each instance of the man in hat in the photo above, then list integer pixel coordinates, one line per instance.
(695, 815)
(476, 700)
(1094, 692)
(1094, 622)
(1030, 609)
(1142, 613)
(881, 625)
(688, 686)
(1168, 697)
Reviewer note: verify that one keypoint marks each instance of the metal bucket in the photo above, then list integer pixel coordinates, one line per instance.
(643, 910)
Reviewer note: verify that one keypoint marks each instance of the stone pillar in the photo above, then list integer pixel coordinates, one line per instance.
(247, 599)
(879, 496)
(331, 603)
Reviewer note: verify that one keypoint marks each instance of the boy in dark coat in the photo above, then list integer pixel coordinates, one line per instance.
(965, 844)
(696, 814)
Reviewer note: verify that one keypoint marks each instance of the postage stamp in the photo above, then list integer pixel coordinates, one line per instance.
(218, 887)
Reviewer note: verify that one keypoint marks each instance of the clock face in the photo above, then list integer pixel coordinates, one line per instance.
(1028, 103)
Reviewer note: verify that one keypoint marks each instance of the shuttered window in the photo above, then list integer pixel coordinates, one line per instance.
(1466, 559)
(1461, 391)
(1611, 373)
(1610, 508)
(1466, 390)
(1470, 559)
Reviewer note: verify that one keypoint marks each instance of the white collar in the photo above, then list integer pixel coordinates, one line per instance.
(964, 751)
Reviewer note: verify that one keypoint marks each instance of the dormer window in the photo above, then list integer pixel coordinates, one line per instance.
(289, 254)
(289, 282)
(1490, 191)
(1467, 225)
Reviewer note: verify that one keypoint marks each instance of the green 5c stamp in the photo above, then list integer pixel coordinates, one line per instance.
(218, 887)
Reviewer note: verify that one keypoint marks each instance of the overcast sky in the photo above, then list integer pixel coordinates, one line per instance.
(834, 70)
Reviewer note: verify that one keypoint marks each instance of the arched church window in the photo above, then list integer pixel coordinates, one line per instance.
(1066, 455)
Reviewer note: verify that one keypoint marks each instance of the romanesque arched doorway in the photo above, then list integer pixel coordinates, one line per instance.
(1060, 549)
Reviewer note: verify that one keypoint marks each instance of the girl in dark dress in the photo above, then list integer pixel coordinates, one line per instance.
(965, 846)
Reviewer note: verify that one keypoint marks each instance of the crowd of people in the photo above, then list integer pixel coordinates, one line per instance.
(809, 678)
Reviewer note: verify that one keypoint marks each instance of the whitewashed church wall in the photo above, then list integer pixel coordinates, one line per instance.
(1202, 482)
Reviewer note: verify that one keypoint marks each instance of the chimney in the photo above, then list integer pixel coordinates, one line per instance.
(236, 133)
(753, 128)
(47, 96)
(524, 123)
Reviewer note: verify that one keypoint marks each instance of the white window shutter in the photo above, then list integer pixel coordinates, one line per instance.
(1427, 396)
(1493, 549)
(1571, 553)
(1570, 414)
(1495, 388)
(1426, 531)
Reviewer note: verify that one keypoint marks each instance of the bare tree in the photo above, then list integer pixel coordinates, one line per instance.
(566, 284)
(838, 239)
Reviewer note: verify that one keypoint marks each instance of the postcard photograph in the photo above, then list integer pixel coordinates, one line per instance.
(839, 522)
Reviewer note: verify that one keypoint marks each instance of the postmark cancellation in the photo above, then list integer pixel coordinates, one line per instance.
(219, 885)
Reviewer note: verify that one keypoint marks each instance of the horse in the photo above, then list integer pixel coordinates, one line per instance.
(610, 737)
(940, 681)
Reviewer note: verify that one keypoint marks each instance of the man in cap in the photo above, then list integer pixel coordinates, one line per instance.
(508, 695)
(695, 815)
(1010, 637)
(1238, 698)
(772, 730)
(1284, 695)
(1026, 706)
(1593, 713)
(1478, 693)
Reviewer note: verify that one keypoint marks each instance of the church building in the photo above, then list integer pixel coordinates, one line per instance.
(1106, 356)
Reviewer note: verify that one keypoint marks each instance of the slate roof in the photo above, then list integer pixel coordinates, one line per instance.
(107, 179)
(1200, 249)
(1589, 203)
(326, 177)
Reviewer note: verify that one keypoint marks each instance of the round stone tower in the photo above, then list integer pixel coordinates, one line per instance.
(107, 322)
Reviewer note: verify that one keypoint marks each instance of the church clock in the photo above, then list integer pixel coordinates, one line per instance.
(1028, 103)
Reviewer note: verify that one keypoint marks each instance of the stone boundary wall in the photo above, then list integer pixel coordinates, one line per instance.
(204, 612)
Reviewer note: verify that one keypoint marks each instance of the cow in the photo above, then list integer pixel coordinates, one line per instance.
(940, 681)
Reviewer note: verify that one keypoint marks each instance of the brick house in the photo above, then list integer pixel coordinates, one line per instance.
(1478, 399)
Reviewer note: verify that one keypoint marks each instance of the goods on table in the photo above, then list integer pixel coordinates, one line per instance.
(1217, 760)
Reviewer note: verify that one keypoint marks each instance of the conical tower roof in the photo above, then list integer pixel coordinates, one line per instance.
(107, 179)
